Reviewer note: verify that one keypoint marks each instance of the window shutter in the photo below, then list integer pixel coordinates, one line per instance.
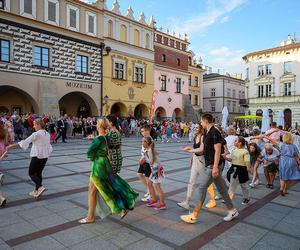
(52, 11)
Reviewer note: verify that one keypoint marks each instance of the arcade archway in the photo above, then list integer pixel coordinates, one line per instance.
(160, 113)
(78, 104)
(14, 99)
(119, 109)
(141, 111)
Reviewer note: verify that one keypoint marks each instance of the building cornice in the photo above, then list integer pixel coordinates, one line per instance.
(172, 70)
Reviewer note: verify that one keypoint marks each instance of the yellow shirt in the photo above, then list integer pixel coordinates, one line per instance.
(240, 156)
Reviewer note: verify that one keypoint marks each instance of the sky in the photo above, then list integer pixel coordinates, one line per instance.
(223, 31)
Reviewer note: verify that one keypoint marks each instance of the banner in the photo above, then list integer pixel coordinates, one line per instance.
(154, 94)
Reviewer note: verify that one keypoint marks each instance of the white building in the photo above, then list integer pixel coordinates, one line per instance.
(222, 90)
(273, 81)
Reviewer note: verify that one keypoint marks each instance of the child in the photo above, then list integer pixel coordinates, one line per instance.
(156, 177)
(164, 132)
(144, 169)
(255, 161)
(240, 160)
(52, 131)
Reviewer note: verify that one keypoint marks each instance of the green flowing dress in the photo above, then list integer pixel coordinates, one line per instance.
(114, 194)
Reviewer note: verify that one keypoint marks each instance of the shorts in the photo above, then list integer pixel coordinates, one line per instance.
(145, 169)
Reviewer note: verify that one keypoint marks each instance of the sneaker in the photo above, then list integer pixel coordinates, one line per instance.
(146, 194)
(231, 215)
(1, 179)
(184, 205)
(190, 218)
(33, 193)
(256, 182)
(40, 191)
(151, 203)
(211, 204)
(147, 198)
(217, 197)
(160, 206)
(246, 201)
(252, 185)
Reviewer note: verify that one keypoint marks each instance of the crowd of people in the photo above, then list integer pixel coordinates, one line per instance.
(222, 159)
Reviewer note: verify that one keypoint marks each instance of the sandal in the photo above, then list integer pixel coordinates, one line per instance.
(86, 221)
(124, 213)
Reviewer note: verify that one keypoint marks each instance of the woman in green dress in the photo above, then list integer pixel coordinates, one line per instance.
(108, 192)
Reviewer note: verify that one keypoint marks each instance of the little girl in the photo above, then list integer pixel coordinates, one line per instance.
(240, 160)
(156, 176)
(255, 161)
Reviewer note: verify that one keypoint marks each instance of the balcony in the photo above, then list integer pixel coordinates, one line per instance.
(244, 102)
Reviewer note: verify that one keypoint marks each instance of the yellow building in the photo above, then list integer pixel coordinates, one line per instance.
(128, 74)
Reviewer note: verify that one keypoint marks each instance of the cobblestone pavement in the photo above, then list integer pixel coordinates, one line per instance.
(269, 222)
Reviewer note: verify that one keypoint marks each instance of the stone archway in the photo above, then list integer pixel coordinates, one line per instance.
(141, 111)
(119, 109)
(287, 118)
(77, 104)
(15, 99)
(160, 113)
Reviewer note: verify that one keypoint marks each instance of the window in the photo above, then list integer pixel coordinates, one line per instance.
(196, 100)
(52, 11)
(2, 4)
(233, 106)
(163, 83)
(72, 18)
(120, 70)
(91, 23)
(240, 94)
(260, 70)
(4, 50)
(243, 94)
(287, 67)
(229, 105)
(123, 33)
(190, 80)
(268, 90)
(233, 93)
(287, 89)
(269, 69)
(260, 91)
(213, 107)
(163, 58)
(139, 74)
(212, 92)
(136, 37)
(196, 81)
(110, 29)
(82, 64)
(178, 85)
(178, 62)
(28, 8)
(41, 56)
(147, 45)
(228, 92)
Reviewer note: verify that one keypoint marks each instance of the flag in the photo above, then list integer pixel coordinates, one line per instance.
(154, 94)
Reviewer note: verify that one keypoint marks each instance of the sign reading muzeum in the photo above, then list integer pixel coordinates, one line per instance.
(50, 63)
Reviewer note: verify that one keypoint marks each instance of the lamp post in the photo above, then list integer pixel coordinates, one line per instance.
(107, 50)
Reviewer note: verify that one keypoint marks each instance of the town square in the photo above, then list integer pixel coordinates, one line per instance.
(128, 124)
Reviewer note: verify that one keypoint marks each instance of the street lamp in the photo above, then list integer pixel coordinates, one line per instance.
(107, 49)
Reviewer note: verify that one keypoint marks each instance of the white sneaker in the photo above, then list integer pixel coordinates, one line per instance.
(184, 205)
(252, 185)
(40, 191)
(146, 194)
(33, 193)
(1, 179)
(147, 198)
(217, 197)
(256, 182)
(231, 215)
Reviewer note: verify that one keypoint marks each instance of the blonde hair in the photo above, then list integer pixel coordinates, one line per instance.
(104, 123)
(287, 138)
(231, 131)
(150, 142)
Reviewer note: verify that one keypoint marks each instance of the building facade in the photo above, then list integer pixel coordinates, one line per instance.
(195, 82)
(273, 81)
(50, 59)
(129, 67)
(171, 75)
(222, 90)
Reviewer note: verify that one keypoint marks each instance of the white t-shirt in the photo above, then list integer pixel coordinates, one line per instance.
(41, 147)
(230, 139)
